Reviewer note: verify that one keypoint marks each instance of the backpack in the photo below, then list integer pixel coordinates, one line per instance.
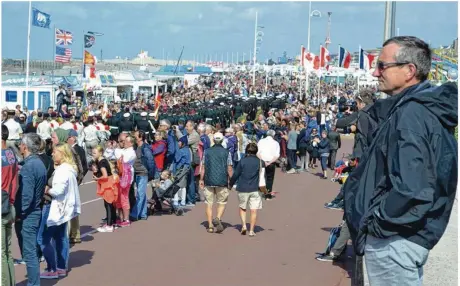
(127, 176)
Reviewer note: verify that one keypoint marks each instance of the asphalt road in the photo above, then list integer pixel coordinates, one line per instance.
(171, 250)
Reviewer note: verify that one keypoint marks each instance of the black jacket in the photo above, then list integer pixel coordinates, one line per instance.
(334, 140)
(405, 183)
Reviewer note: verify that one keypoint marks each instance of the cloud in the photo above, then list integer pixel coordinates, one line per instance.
(219, 8)
(63, 10)
(173, 28)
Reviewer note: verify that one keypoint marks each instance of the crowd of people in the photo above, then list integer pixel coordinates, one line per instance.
(196, 153)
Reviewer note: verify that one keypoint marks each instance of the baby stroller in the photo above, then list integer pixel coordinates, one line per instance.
(162, 202)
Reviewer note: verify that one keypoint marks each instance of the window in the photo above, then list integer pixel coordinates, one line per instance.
(11, 96)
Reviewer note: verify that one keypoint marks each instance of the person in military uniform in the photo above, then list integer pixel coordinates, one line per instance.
(126, 125)
(143, 125)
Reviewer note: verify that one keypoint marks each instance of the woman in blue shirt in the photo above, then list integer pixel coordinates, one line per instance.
(183, 159)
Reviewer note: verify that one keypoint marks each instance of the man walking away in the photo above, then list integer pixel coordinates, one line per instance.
(269, 152)
(32, 182)
(215, 175)
(9, 187)
(401, 194)
(334, 144)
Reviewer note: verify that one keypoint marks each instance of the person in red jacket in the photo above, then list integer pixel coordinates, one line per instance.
(10, 173)
(159, 148)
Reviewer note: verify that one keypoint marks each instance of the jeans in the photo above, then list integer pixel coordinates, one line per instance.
(324, 162)
(8, 278)
(55, 258)
(332, 158)
(292, 158)
(270, 178)
(341, 241)
(139, 210)
(191, 196)
(28, 229)
(394, 261)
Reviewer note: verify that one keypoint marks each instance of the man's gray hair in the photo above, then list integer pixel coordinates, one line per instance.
(165, 122)
(271, 133)
(32, 142)
(415, 51)
(201, 128)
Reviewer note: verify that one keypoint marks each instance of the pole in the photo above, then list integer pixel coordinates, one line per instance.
(307, 71)
(237, 58)
(227, 58)
(83, 56)
(320, 72)
(359, 59)
(255, 55)
(54, 58)
(232, 58)
(28, 49)
(338, 65)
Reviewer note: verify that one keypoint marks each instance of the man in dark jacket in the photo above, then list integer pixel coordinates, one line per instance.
(401, 194)
(216, 171)
(74, 234)
(334, 144)
(32, 182)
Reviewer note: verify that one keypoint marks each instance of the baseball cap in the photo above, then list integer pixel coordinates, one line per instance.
(73, 133)
(218, 136)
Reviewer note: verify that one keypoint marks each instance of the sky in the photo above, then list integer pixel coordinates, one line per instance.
(207, 28)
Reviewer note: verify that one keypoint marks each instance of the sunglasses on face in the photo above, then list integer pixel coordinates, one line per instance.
(381, 66)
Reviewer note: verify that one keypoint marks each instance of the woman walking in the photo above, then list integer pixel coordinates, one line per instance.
(247, 177)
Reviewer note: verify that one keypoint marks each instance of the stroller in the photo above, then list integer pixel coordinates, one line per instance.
(163, 203)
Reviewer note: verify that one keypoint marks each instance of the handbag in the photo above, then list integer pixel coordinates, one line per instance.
(262, 183)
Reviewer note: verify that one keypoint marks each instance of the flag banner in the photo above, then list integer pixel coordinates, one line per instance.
(63, 55)
(325, 58)
(95, 33)
(63, 38)
(365, 60)
(344, 58)
(89, 41)
(89, 59)
(40, 19)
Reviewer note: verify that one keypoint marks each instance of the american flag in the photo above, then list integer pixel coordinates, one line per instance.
(63, 38)
(63, 55)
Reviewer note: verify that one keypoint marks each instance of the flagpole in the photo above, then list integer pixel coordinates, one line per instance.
(320, 71)
(255, 55)
(28, 50)
(54, 58)
(338, 65)
(83, 56)
(359, 59)
(307, 71)
(302, 58)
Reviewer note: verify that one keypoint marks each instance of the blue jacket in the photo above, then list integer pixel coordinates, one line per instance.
(183, 158)
(32, 182)
(148, 161)
(324, 146)
(406, 181)
(247, 175)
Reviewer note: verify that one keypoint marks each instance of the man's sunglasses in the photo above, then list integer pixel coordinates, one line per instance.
(382, 65)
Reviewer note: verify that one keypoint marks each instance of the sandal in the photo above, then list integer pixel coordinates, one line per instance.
(243, 231)
(211, 230)
(252, 234)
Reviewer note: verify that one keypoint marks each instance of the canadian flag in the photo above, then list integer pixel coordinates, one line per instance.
(325, 57)
(308, 58)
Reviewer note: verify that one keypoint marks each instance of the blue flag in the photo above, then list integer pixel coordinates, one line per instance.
(40, 19)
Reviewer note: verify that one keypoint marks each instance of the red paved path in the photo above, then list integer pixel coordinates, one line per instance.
(171, 250)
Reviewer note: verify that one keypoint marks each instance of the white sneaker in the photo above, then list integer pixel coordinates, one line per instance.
(292, 171)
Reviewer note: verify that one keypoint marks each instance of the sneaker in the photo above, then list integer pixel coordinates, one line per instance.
(190, 205)
(42, 259)
(292, 171)
(105, 228)
(328, 205)
(49, 275)
(118, 221)
(61, 272)
(218, 225)
(19, 262)
(327, 258)
(125, 223)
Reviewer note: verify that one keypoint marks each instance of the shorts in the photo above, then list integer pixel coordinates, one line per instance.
(253, 198)
(123, 198)
(221, 194)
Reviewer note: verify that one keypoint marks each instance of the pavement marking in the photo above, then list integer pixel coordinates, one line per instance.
(95, 200)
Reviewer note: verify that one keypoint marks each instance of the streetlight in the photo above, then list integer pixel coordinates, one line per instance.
(316, 14)
(258, 34)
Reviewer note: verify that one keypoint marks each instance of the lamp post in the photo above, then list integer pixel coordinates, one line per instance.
(258, 34)
(311, 14)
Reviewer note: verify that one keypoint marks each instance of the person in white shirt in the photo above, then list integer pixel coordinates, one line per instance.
(127, 156)
(53, 122)
(90, 139)
(15, 132)
(44, 129)
(269, 152)
(67, 125)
